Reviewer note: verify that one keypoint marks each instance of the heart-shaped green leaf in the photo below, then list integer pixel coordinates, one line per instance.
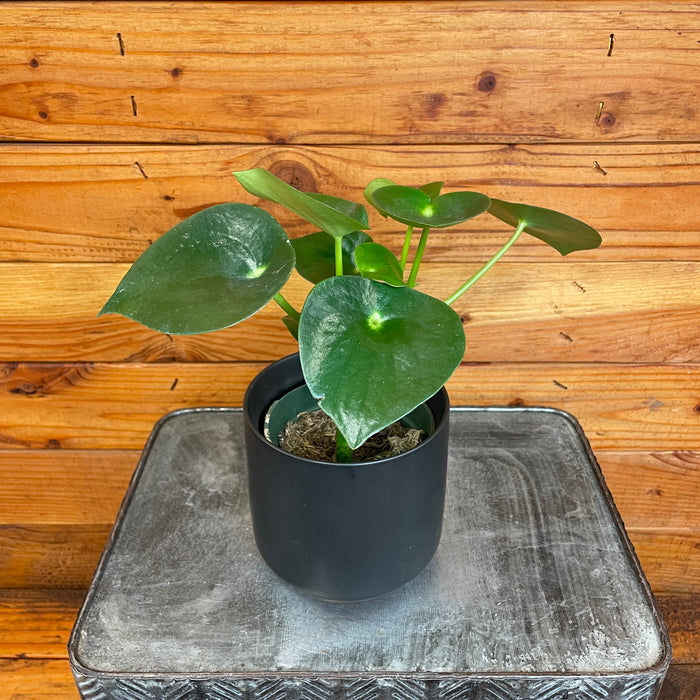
(376, 262)
(413, 207)
(373, 352)
(314, 209)
(315, 254)
(562, 232)
(208, 272)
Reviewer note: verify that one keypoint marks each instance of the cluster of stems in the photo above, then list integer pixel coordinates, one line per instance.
(343, 450)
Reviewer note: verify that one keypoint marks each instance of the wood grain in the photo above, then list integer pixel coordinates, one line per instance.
(50, 556)
(114, 406)
(64, 487)
(655, 490)
(682, 617)
(104, 203)
(30, 679)
(36, 623)
(534, 312)
(180, 73)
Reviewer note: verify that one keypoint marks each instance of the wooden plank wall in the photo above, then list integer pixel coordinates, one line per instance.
(118, 119)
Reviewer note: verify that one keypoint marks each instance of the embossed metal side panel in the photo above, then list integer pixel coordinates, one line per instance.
(534, 592)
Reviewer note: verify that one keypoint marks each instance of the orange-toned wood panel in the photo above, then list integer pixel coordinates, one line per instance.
(383, 72)
(64, 487)
(114, 406)
(50, 556)
(553, 311)
(36, 623)
(29, 679)
(655, 490)
(105, 203)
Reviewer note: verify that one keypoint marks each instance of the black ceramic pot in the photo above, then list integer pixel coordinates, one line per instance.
(343, 532)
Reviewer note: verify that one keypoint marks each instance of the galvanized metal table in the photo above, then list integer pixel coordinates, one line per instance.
(535, 591)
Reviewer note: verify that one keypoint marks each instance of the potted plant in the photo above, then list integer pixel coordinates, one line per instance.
(374, 352)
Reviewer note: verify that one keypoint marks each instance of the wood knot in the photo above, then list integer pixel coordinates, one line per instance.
(176, 72)
(295, 174)
(607, 120)
(486, 82)
(34, 63)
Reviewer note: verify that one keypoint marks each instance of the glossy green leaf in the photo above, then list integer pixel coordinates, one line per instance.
(344, 206)
(413, 207)
(318, 211)
(210, 271)
(372, 352)
(372, 187)
(315, 254)
(432, 189)
(562, 232)
(376, 262)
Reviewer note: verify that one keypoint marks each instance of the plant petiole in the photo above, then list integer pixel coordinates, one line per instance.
(343, 451)
(406, 246)
(415, 265)
(481, 271)
(339, 256)
(286, 306)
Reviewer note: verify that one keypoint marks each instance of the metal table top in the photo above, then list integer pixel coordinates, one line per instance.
(534, 585)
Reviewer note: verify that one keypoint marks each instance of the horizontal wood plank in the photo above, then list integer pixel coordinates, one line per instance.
(30, 679)
(114, 406)
(50, 556)
(264, 72)
(681, 615)
(36, 623)
(532, 312)
(65, 487)
(104, 203)
(655, 490)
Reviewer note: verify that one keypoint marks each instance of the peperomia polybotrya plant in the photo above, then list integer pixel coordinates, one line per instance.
(372, 347)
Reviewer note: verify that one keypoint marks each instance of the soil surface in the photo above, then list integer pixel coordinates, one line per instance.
(312, 435)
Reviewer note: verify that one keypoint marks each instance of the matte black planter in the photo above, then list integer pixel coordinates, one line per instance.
(343, 532)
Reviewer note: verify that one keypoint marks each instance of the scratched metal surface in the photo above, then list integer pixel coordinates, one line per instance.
(534, 585)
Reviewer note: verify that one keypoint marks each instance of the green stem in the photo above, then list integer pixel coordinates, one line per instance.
(406, 246)
(343, 451)
(419, 256)
(286, 306)
(479, 273)
(339, 257)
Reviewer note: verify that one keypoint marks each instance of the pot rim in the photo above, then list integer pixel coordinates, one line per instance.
(440, 424)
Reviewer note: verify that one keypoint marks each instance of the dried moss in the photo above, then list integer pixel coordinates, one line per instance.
(312, 435)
